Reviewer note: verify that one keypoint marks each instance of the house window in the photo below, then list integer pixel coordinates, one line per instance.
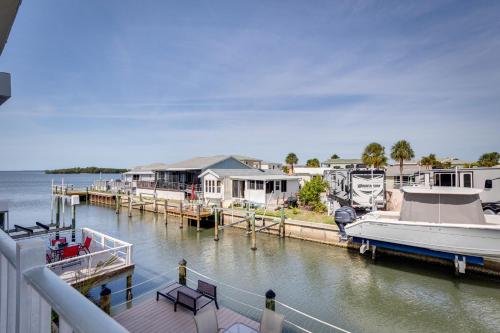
(283, 186)
(218, 186)
(212, 183)
(251, 185)
(467, 180)
(277, 185)
(206, 185)
(238, 188)
(269, 187)
(259, 185)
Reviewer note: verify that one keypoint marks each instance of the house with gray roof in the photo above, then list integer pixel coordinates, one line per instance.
(179, 180)
(269, 188)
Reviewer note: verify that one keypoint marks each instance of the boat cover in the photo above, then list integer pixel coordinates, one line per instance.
(442, 208)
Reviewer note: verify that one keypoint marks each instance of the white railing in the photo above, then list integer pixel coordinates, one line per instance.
(29, 291)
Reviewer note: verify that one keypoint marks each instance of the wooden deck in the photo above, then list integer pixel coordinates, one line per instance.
(151, 316)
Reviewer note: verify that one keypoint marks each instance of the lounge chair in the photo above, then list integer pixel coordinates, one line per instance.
(206, 321)
(271, 322)
(85, 247)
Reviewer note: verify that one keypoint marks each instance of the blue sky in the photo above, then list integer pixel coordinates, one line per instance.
(122, 83)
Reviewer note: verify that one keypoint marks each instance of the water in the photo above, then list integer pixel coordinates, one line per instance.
(330, 283)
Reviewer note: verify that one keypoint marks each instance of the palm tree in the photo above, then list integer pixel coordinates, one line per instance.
(401, 151)
(313, 163)
(291, 159)
(374, 155)
(429, 161)
(334, 157)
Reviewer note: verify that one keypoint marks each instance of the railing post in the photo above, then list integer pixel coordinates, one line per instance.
(270, 300)
(182, 272)
(254, 234)
(29, 254)
(216, 229)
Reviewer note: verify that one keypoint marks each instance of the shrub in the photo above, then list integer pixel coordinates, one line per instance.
(310, 194)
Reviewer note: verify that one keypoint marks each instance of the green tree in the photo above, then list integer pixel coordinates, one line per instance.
(489, 159)
(334, 157)
(428, 161)
(285, 169)
(312, 163)
(310, 194)
(374, 155)
(291, 159)
(401, 151)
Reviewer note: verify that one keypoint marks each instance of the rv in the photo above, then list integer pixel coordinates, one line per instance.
(486, 179)
(359, 188)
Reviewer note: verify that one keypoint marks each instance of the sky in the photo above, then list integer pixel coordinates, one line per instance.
(124, 83)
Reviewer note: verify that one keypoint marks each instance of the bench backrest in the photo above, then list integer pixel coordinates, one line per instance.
(186, 300)
(207, 289)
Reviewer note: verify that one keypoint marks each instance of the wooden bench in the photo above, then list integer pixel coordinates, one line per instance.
(192, 299)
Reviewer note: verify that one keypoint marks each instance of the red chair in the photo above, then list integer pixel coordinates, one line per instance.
(71, 251)
(86, 245)
(61, 240)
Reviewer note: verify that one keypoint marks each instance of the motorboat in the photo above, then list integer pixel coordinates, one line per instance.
(444, 222)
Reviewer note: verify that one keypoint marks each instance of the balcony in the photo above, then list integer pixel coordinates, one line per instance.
(165, 185)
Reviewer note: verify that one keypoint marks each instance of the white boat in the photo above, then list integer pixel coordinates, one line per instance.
(445, 222)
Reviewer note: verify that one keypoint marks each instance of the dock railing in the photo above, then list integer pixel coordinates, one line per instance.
(29, 291)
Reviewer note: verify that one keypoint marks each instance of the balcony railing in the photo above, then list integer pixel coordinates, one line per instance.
(165, 185)
(29, 291)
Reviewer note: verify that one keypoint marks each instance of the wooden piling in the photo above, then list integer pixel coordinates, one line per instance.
(129, 288)
(282, 222)
(87, 195)
(247, 215)
(105, 299)
(58, 211)
(182, 272)
(155, 206)
(165, 216)
(216, 228)
(270, 300)
(129, 206)
(182, 216)
(73, 222)
(141, 206)
(254, 234)
(198, 217)
(117, 203)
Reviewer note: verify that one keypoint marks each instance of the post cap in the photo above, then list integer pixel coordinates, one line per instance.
(270, 294)
(183, 262)
(105, 290)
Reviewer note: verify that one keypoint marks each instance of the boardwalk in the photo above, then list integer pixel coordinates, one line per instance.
(151, 316)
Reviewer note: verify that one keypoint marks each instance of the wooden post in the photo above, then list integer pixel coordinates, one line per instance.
(141, 207)
(182, 216)
(270, 300)
(254, 234)
(87, 195)
(52, 202)
(155, 206)
(129, 287)
(129, 206)
(166, 213)
(58, 214)
(216, 229)
(282, 222)
(198, 217)
(105, 299)
(182, 272)
(117, 203)
(247, 214)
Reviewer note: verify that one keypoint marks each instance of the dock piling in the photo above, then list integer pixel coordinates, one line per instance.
(117, 203)
(282, 222)
(105, 299)
(247, 215)
(198, 214)
(182, 216)
(73, 222)
(216, 229)
(129, 287)
(129, 206)
(254, 234)
(165, 216)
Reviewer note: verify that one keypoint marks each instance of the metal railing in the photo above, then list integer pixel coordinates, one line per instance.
(166, 185)
(29, 291)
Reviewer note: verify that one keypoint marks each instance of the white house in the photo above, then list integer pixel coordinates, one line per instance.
(266, 165)
(307, 173)
(261, 187)
(343, 163)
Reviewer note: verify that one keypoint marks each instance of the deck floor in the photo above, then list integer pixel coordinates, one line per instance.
(151, 316)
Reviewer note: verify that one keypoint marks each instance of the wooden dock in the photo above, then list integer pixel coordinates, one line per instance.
(151, 316)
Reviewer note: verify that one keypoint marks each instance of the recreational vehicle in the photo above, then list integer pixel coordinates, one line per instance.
(358, 188)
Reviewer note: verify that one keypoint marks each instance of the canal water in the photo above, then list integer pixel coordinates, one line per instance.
(330, 283)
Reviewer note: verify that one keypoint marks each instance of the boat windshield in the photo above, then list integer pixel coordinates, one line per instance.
(442, 208)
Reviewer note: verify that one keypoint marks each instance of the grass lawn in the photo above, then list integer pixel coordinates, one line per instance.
(298, 214)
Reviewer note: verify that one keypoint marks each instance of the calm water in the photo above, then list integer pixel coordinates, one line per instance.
(334, 285)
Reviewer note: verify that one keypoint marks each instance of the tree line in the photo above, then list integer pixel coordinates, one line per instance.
(85, 170)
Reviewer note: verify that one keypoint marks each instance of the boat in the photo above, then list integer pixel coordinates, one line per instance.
(443, 222)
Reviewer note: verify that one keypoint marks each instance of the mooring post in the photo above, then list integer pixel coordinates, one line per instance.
(141, 206)
(105, 299)
(117, 203)
(182, 272)
(87, 195)
(198, 217)
(165, 211)
(129, 206)
(182, 216)
(155, 207)
(216, 219)
(129, 287)
(58, 215)
(270, 300)
(282, 222)
(254, 234)
(247, 214)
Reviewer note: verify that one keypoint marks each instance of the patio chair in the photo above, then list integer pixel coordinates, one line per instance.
(271, 322)
(71, 251)
(208, 290)
(206, 321)
(60, 240)
(85, 247)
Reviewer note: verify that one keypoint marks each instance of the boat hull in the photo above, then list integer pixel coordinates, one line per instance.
(468, 240)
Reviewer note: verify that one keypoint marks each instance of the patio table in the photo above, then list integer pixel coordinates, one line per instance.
(240, 328)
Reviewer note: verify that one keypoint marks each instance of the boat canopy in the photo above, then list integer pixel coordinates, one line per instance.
(442, 205)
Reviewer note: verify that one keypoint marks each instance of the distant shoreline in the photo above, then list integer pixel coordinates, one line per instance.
(88, 170)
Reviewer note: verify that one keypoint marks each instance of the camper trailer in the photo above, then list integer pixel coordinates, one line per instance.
(358, 188)
(487, 179)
